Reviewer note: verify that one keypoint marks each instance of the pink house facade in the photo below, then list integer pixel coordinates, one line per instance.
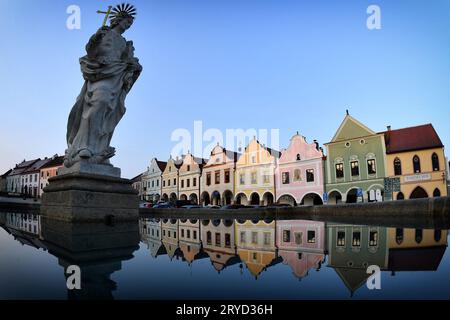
(299, 176)
(301, 245)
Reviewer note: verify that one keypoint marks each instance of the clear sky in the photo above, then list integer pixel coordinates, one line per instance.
(292, 65)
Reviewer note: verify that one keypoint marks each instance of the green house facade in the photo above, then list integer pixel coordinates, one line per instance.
(355, 166)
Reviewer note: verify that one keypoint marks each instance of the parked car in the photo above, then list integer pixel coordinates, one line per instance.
(234, 207)
(279, 205)
(144, 205)
(181, 203)
(211, 206)
(191, 206)
(256, 206)
(164, 205)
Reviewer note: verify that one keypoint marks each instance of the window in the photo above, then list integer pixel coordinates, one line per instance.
(254, 237)
(243, 238)
(310, 175)
(416, 164)
(168, 182)
(298, 157)
(298, 237)
(266, 178)
(208, 179)
(194, 182)
(253, 177)
(217, 177)
(188, 234)
(285, 178)
(286, 236)
(227, 176)
(182, 183)
(253, 159)
(437, 235)
(157, 182)
(227, 240)
(354, 166)
(153, 183)
(373, 238)
(339, 170)
(311, 236)
(435, 162)
(218, 239)
(341, 239)
(297, 175)
(397, 167)
(400, 196)
(356, 239)
(164, 183)
(255, 256)
(436, 193)
(174, 181)
(195, 234)
(371, 167)
(419, 235)
(208, 237)
(182, 233)
(188, 168)
(241, 178)
(42, 174)
(399, 236)
(188, 183)
(267, 238)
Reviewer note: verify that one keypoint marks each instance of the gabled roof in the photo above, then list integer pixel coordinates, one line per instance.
(37, 166)
(6, 173)
(273, 152)
(137, 178)
(416, 259)
(57, 161)
(161, 165)
(412, 138)
(21, 167)
(351, 128)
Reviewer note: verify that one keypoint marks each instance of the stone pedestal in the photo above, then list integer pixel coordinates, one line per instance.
(80, 195)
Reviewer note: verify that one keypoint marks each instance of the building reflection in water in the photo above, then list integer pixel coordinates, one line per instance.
(256, 245)
(98, 249)
(253, 245)
(301, 245)
(218, 239)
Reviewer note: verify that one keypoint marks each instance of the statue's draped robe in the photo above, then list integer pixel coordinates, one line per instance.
(109, 72)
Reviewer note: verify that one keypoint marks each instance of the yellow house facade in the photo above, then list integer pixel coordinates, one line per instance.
(254, 179)
(416, 157)
(255, 242)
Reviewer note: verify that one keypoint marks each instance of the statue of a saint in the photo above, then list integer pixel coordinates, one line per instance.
(110, 70)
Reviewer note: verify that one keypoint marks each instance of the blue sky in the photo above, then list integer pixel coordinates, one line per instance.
(263, 64)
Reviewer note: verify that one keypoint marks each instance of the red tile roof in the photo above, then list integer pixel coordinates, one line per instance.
(412, 138)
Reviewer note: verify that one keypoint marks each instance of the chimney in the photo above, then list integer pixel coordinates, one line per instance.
(346, 111)
(388, 128)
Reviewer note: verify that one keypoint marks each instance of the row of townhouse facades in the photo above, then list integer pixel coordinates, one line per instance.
(29, 178)
(301, 245)
(358, 165)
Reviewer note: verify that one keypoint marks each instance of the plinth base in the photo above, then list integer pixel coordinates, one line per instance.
(85, 197)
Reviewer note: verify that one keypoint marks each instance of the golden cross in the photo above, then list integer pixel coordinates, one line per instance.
(106, 13)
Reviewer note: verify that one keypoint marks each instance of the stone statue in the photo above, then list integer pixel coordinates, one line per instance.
(110, 70)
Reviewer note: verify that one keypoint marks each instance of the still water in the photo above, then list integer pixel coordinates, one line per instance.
(219, 259)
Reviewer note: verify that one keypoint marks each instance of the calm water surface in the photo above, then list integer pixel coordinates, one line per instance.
(219, 259)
